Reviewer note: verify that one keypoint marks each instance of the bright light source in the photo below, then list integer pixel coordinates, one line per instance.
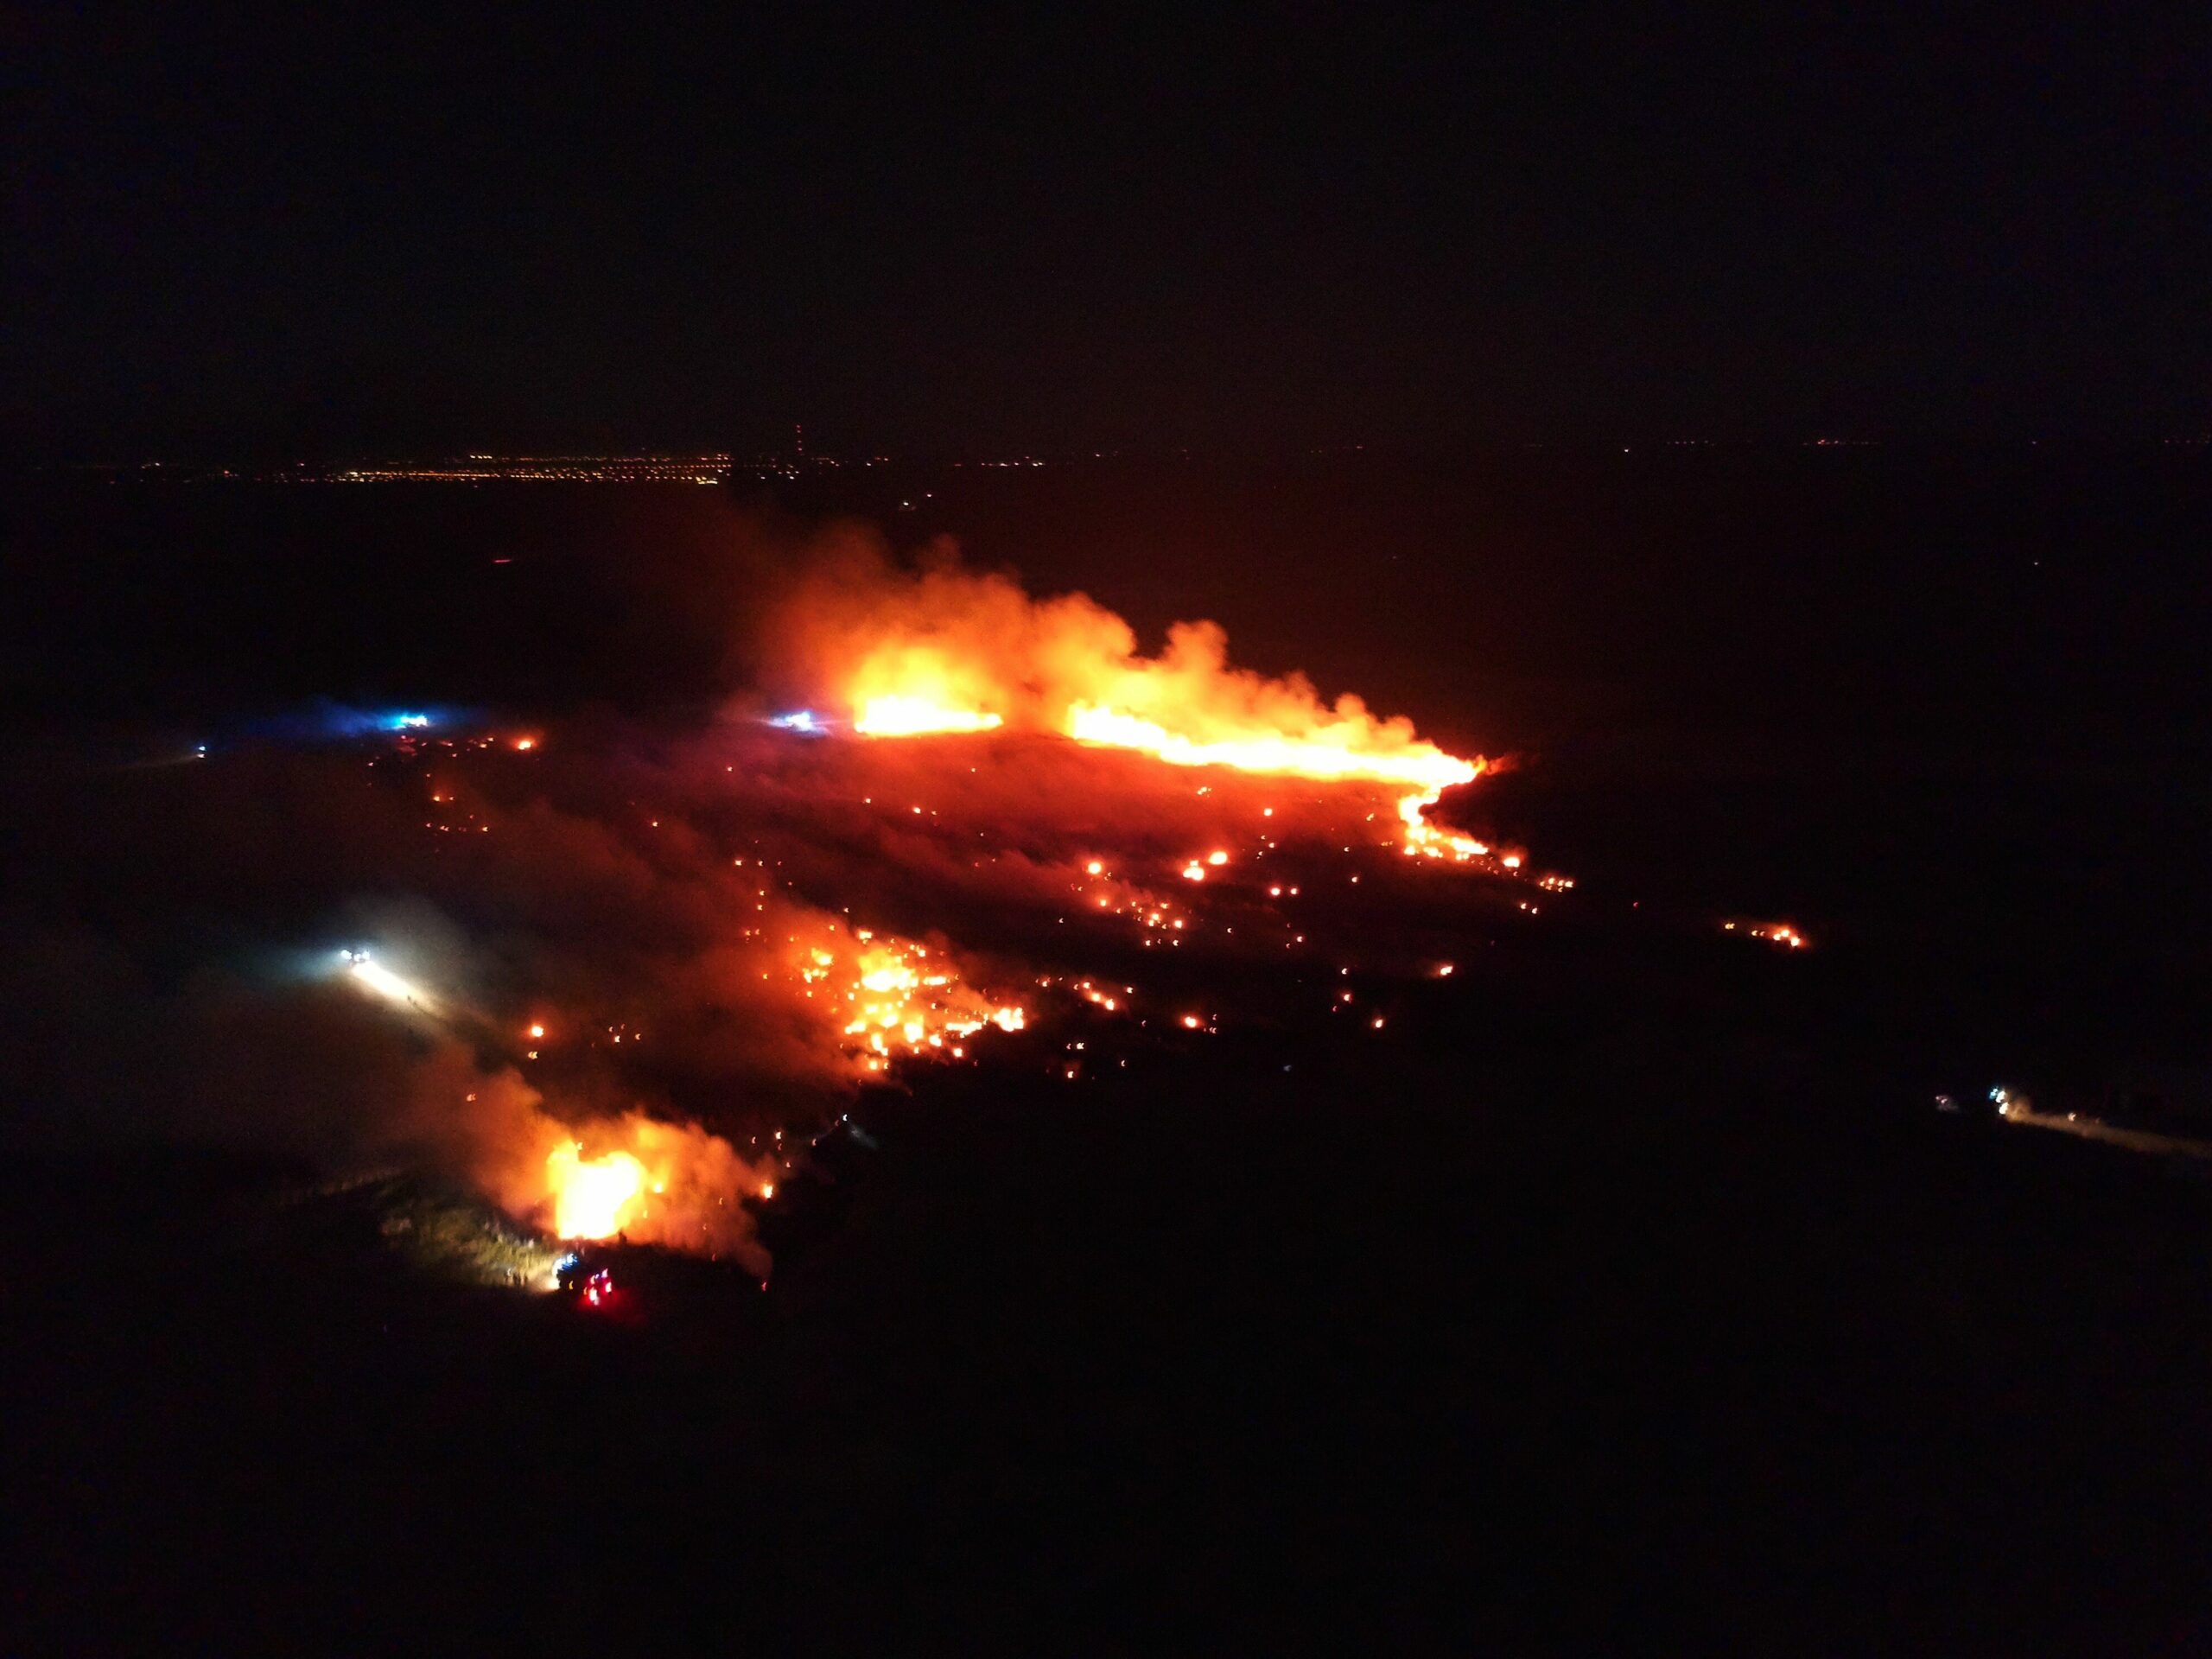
(910, 716)
(386, 984)
(591, 1197)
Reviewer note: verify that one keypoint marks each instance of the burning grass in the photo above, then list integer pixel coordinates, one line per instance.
(625, 955)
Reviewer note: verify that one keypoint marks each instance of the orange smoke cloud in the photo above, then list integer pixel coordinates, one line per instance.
(652, 1182)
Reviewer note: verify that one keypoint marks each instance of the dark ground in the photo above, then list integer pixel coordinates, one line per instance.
(1632, 1297)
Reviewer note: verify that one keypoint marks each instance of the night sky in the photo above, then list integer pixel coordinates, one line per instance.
(253, 240)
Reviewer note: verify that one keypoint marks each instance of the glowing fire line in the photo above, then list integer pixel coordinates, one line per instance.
(1333, 754)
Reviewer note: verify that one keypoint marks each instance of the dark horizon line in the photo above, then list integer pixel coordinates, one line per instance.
(365, 459)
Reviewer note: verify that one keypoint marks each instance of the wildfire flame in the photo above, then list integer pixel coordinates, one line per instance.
(1337, 749)
(654, 1182)
(1781, 933)
(673, 1183)
(908, 715)
(948, 652)
(951, 650)
(896, 996)
(591, 1197)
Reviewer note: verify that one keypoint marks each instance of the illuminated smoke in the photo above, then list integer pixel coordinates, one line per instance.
(631, 1174)
(877, 998)
(596, 998)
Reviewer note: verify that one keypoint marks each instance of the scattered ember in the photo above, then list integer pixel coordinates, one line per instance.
(1781, 933)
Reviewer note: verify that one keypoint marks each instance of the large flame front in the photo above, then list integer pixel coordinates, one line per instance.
(1338, 750)
(949, 651)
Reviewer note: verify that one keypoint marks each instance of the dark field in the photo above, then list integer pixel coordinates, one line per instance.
(1635, 1298)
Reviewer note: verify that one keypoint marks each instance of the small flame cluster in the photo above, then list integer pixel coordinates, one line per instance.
(1781, 933)
(896, 997)
(1103, 997)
